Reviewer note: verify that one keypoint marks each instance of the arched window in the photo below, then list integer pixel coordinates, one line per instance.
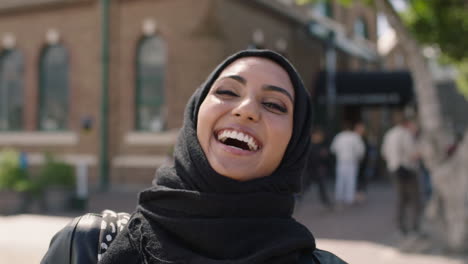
(360, 28)
(53, 88)
(11, 90)
(150, 77)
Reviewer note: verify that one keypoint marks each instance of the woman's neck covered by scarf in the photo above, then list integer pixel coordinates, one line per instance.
(195, 215)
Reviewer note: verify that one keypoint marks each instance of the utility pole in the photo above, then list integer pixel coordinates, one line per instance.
(103, 138)
(330, 67)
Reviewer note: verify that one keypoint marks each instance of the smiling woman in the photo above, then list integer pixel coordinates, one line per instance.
(246, 120)
(229, 196)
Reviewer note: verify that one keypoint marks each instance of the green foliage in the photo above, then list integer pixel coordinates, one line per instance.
(303, 2)
(56, 173)
(440, 22)
(9, 158)
(462, 79)
(53, 173)
(12, 177)
(345, 3)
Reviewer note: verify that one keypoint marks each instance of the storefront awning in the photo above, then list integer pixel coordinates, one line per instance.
(367, 88)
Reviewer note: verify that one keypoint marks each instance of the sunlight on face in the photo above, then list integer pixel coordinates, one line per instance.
(246, 120)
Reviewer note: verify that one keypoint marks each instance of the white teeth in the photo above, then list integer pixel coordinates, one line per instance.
(243, 138)
(239, 136)
(251, 143)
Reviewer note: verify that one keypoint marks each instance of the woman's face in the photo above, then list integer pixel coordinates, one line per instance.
(246, 120)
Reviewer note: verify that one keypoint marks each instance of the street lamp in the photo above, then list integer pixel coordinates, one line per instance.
(328, 36)
(330, 69)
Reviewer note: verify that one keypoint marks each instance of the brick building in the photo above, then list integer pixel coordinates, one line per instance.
(55, 55)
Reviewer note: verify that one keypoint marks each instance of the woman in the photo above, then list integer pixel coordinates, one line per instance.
(238, 160)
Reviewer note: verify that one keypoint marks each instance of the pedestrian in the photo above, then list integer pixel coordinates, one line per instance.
(317, 167)
(362, 177)
(399, 149)
(349, 150)
(425, 181)
(239, 157)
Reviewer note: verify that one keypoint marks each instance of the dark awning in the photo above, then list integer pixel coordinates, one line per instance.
(368, 88)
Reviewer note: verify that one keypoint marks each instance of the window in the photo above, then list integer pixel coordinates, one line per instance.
(323, 8)
(53, 89)
(11, 90)
(360, 28)
(150, 71)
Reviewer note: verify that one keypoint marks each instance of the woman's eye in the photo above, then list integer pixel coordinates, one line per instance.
(226, 92)
(275, 107)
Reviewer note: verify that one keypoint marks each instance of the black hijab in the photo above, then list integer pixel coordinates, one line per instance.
(194, 215)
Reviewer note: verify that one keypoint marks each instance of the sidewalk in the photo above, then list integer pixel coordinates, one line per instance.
(363, 234)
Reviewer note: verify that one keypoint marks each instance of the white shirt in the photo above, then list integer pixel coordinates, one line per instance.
(398, 148)
(348, 147)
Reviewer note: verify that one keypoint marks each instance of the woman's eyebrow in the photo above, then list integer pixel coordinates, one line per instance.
(266, 87)
(269, 87)
(237, 78)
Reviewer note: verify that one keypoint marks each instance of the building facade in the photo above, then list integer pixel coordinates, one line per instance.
(57, 55)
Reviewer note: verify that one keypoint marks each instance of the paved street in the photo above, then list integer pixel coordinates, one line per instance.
(361, 234)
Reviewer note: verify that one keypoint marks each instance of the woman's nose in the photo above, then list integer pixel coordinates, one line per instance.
(247, 109)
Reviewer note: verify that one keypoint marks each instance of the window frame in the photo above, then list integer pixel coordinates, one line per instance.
(139, 83)
(42, 87)
(5, 55)
(361, 22)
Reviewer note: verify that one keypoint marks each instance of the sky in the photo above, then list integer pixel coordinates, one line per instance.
(382, 24)
(399, 5)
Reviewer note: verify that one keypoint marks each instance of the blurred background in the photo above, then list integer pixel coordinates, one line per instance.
(92, 94)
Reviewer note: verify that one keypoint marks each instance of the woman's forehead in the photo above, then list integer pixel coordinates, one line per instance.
(260, 69)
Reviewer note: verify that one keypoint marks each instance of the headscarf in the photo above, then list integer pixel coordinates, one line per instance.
(194, 215)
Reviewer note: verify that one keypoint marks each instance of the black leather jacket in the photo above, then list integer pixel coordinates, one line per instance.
(77, 243)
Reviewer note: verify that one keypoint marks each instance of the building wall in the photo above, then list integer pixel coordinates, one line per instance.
(347, 16)
(76, 25)
(191, 55)
(395, 59)
(199, 34)
(304, 52)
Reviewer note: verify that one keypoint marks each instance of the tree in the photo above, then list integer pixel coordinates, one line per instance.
(442, 23)
(450, 177)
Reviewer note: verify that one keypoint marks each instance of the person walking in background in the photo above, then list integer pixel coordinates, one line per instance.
(349, 150)
(425, 182)
(360, 129)
(399, 151)
(317, 167)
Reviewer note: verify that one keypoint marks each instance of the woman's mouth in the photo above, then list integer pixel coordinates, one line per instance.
(237, 139)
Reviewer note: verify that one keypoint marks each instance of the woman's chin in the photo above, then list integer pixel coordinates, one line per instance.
(240, 178)
(237, 174)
